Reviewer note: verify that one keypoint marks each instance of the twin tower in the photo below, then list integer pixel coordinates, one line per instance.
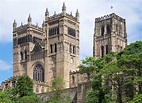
(45, 52)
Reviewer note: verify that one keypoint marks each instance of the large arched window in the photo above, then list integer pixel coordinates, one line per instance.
(38, 73)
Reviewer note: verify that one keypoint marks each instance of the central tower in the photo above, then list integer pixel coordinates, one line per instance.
(62, 43)
(45, 52)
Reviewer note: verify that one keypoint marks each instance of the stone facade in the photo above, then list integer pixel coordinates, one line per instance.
(44, 52)
(109, 35)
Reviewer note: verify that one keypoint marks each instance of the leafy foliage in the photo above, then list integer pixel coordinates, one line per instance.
(59, 96)
(58, 83)
(91, 65)
(24, 86)
(30, 99)
(4, 98)
(23, 93)
(11, 93)
(137, 99)
(115, 75)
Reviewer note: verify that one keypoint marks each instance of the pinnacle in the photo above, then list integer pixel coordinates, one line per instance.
(63, 7)
(46, 12)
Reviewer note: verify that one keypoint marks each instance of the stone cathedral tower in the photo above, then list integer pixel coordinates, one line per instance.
(44, 52)
(109, 35)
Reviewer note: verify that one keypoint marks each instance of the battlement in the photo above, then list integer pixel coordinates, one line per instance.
(10, 79)
(113, 15)
(60, 15)
(27, 26)
(74, 72)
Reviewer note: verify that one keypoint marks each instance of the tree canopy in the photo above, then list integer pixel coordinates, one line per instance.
(59, 96)
(115, 75)
(24, 86)
(22, 93)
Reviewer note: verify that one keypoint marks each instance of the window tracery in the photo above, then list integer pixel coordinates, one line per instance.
(38, 73)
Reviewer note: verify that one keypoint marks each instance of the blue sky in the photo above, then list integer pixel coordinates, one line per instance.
(19, 10)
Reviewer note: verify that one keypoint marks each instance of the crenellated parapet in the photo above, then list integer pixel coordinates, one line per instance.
(74, 72)
(28, 26)
(9, 83)
(25, 26)
(63, 13)
(113, 15)
(60, 15)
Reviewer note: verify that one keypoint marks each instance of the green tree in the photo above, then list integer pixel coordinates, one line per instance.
(131, 57)
(116, 74)
(22, 93)
(90, 66)
(58, 83)
(59, 95)
(30, 99)
(24, 86)
(11, 93)
(136, 99)
(4, 98)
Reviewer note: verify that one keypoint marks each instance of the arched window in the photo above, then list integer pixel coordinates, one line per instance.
(74, 49)
(51, 49)
(21, 53)
(106, 49)
(102, 31)
(25, 55)
(102, 51)
(108, 29)
(70, 48)
(55, 47)
(37, 89)
(38, 73)
(73, 79)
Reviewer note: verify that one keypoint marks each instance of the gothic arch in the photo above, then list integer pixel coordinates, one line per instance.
(38, 72)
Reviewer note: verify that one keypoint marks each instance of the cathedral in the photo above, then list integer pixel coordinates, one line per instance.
(52, 50)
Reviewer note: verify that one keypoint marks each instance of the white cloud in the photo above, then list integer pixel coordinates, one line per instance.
(88, 9)
(4, 65)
